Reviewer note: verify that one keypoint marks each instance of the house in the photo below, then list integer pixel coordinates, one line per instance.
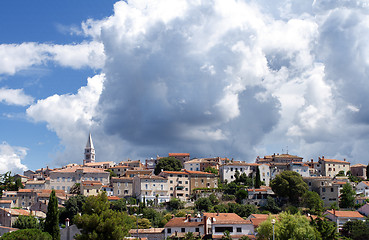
(358, 170)
(122, 186)
(8, 216)
(90, 188)
(183, 157)
(132, 164)
(328, 189)
(119, 170)
(151, 188)
(4, 230)
(102, 165)
(150, 234)
(178, 184)
(363, 188)
(200, 164)
(331, 167)
(179, 226)
(299, 167)
(364, 209)
(217, 223)
(341, 217)
(200, 179)
(37, 184)
(228, 170)
(6, 204)
(279, 158)
(192, 165)
(138, 172)
(65, 178)
(259, 196)
(22, 178)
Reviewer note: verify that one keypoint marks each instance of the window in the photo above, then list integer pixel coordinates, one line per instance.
(331, 189)
(231, 168)
(170, 181)
(223, 229)
(183, 230)
(186, 182)
(180, 182)
(197, 229)
(171, 188)
(125, 191)
(239, 229)
(169, 230)
(323, 189)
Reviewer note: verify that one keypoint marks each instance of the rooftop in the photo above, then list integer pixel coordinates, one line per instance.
(226, 218)
(347, 214)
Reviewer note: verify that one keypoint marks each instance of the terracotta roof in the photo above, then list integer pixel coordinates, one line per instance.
(240, 163)
(175, 172)
(358, 165)
(283, 156)
(5, 201)
(365, 182)
(113, 198)
(334, 160)
(226, 218)
(98, 163)
(348, 214)
(339, 182)
(180, 222)
(84, 169)
(36, 182)
(117, 179)
(152, 177)
(178, 154)
(147, 231)
(261, 189)
(92, 183)
(199, 172)
(119, 166)
(233, 236)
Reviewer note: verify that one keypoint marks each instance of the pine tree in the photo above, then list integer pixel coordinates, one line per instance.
(52, 217)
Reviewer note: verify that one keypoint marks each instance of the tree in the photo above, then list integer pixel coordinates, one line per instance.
(7, 183)
(119, 205)
(226, 235)
(75, 189)
(241, 194)
(288, 226)
(326, 228)
(347, 197)
(213, 199)
(99, 222)
(168, 164)
(155, 217)
(290, 185)
(24, 222)
(175, 204)
(355, 230)
(52, 217)
(242, 210)
(257, 178)
(27, 234)
(72, 207)
(341, 174)
(313, 201)
(271, 206)
(203, 204)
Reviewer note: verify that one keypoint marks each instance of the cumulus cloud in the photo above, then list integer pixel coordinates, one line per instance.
(17, 57)
(15, 97)
(212, 78)
(11, 158)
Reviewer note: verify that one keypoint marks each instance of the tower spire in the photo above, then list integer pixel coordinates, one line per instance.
(89, 151)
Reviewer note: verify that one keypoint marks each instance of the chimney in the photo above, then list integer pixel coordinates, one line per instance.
(344, 159)
(323, 157)
(67, 222)
(312, 160)
(205, 227)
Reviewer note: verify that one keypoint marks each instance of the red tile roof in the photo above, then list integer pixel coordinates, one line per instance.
(178, 154)
(334, 160)
(226, 218)
(180, 222)
(349, 214)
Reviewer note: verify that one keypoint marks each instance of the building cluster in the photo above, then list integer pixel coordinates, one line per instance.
(132, 178)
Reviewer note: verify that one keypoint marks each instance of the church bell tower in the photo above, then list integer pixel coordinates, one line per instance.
(89, 151)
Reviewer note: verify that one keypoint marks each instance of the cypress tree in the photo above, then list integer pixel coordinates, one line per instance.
(257, 178)
(52, 217)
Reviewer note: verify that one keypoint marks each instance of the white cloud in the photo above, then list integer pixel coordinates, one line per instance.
(17, 57)
(15, 97)
(11, 158)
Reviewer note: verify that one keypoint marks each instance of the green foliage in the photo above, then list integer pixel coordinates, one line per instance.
(231, 188)
(222, 208)
(96, 204)
(107, 224)
(190, 236)
(119, 205)
(27, 234)
(72, 207)
(241, 194)
(203, 204)
(244, 238)
(271, 206)
(24, 222)
(288, 226)
(175, 204)
(347, 197)
(112, 173)
(313, 201)
(227, 197)
(226, 236)
(168, 164)
(242, 210)
(143, 223)
(355, 230)
(214, 199)
(7, 183)
(341, 174)
(334, 206)
(211, 170)
(290, 185)
(257, 178)
(155, 217)
(52, 217)
(326, 228)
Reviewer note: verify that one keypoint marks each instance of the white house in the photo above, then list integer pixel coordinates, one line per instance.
(341, 217)
(154, 188)
(179, 226)
(363, 188)
(228, 170)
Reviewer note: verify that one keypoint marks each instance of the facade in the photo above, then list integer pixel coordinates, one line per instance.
(8, 216)
(183, 157)
(358, 170)
(192, 165)
(122, 186)
(341, 217)
(37, 184)
(328, 189)
(299, 167)
(228, 170)
(119, 170)
(103, 165)
(90, 188)
(151, 188)
(279, 158)
(363, 188)
(259, 196)
(65, 178)
(200, 179)
(89, 151)
(331, 167)
(178, 184)
(179, 226)
(149, 234)
(265, 173)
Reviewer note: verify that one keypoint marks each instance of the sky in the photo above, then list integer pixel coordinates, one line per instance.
(236, 79)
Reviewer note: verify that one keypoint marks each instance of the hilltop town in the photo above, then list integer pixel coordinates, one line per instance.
(176, 197)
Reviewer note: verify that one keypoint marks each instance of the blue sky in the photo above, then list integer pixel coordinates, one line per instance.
(213, 78)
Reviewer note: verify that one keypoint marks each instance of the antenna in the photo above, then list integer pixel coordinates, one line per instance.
(287, 149)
